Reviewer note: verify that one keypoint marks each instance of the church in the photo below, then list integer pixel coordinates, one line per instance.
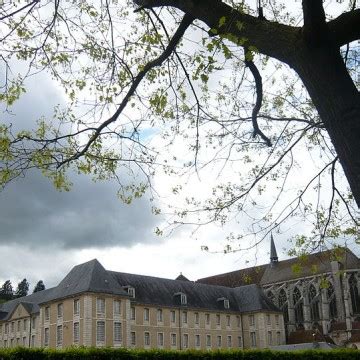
(318, 293)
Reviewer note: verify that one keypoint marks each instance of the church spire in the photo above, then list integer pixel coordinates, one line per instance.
(273, 253)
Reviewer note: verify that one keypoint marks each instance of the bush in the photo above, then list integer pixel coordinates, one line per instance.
(126, 354)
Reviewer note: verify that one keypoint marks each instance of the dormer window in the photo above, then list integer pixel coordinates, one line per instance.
(130, 290)
(225, 302)
(183, 298)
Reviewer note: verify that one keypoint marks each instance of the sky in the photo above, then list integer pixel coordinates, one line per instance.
(44, 233)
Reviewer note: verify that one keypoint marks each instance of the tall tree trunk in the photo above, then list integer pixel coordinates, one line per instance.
(337, 100)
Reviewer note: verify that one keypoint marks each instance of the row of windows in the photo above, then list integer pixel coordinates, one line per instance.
(184, 317)
(185, 340)
(21, 325)
(19, 342)
(100, 308)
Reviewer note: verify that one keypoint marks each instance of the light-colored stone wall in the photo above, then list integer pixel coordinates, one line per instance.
(233, 326)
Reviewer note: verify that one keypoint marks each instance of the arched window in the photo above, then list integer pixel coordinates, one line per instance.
(314, 304)
(283, 305)
(354, 294)
(298, 306)
(332, 301)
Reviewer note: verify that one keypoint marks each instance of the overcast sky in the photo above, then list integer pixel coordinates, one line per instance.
(44, 233)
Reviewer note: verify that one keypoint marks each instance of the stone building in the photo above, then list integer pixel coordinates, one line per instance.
(92, 306)
(318, 294)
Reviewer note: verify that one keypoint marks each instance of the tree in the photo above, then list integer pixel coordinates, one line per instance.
(6, 292)
(138, 77)
(22, 288)
(39, 286)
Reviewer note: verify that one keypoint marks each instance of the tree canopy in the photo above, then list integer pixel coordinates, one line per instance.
(40, 286)
(244, 92)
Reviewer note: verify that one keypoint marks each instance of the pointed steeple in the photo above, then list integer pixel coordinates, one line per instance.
(273, 254)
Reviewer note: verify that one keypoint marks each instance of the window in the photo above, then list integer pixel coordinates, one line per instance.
(131, 292)
(117, 307)
(6, 328)
(298, 306)
(217, 319)
(12, 327)
(146, 314)
(197, 318)
(100, 306)
(117, 332)
(226, 304)
(354, 294)
(46, 337)
(173, 339)
(184, 317)
(47, 313)
(208, 341)
(278, 338)
(133, 338)
(18, 325)
(146, 338)
(59, 336)
(229, 341)
(24, 341)
(238, 321)
(25, 324)
(269, 338)
(159, 315)
(132, 313)
(207, 319)
(314, 304)
(33, 322)
(252, 320)
(76, 307)
(283, 305)
(100, 332)
(277, 319)
(59, 311)
(185, 341)
(228, 320)
(239, 342)
(197, 340)
(160, 339)
(172, 316)
(76, 332)
(332, 301)
(253, 339)
(219, 341)
(183, 299)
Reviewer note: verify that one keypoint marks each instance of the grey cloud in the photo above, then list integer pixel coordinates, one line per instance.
(33, 213)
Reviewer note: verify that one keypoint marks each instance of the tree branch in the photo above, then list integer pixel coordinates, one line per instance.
(185, 23)
(314, 28)
(345, 28)
(270, 38)
(259, 96)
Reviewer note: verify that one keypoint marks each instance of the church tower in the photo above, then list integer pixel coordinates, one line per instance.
(273, 254)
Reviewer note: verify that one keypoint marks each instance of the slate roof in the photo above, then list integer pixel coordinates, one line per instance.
(281, 271)
(87, 277)
(30, 302)
(250, 275)
(159, 291)
(92, 277)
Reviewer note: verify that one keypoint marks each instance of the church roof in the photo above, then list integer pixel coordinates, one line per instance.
(290, 269)
(92, 277)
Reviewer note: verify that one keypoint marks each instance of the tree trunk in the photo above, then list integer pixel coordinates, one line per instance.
(337, 100)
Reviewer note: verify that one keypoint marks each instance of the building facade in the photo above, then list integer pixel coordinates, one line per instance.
(318, 294)
(95, 307)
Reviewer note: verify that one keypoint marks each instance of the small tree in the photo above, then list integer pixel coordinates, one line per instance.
(7, 290)
(22, 289)
(40, 286)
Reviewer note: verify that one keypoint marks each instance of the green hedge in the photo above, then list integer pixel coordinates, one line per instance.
(124, 354)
